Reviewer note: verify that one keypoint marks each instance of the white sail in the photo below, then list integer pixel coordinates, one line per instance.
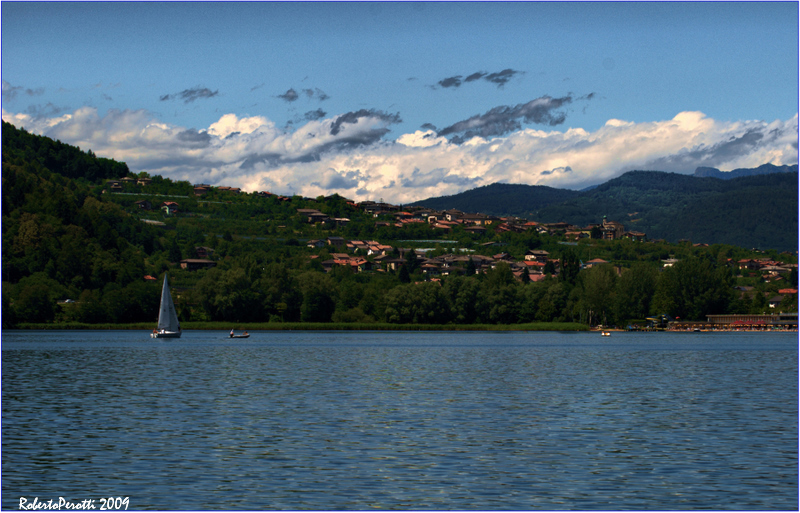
(167, 317)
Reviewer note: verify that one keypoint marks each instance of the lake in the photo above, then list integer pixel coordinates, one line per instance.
(401, 420)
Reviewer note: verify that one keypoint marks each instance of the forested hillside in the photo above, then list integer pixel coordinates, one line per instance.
(76, 249)
(765, 169)
(754, 210)
(751, 211)
(501, 199)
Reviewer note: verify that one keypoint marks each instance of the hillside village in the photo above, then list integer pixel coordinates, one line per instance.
(87, 241)
(535, 265)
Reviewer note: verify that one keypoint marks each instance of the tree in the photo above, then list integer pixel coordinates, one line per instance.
(570, 267)
(634, 292)
(553, 303)
(403, 274)
(464, 298)
(318, 292)
(598, 287)
(35, 305)
(526, 276)
(692, 289)
(226, 295)
(759, 304)
(417, 304)
(175, 255)
(411, 261)
(470, 267)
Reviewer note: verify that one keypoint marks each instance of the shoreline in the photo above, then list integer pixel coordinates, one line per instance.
(290, 326)
(299, 326)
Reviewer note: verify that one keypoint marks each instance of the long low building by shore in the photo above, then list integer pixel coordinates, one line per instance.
(760, 322)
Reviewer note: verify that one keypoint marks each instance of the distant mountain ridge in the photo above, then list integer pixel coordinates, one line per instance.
(501, 199)
(765, 169)
(758, 208)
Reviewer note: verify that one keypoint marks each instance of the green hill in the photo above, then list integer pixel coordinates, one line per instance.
(70, 234)
(752, 210)
(501, 199)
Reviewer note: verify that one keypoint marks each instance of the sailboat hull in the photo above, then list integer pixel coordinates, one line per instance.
(168, 334)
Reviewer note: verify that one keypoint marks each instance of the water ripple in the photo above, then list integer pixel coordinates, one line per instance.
(487, 421)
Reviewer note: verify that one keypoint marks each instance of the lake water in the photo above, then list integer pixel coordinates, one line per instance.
(398, 420)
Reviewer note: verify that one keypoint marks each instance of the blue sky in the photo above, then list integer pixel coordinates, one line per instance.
(406, 100)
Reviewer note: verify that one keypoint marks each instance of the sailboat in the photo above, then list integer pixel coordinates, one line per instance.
(168, 325)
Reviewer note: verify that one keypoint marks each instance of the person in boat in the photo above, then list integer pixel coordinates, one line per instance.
(231, 331)
(245, 332)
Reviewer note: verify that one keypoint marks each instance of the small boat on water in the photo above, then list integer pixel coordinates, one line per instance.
(168, 324)
(605, 333)
(243, 335)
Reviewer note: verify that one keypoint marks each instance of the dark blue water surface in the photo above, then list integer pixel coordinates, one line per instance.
(391, 420)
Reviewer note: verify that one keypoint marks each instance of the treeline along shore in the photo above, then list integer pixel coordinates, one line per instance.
(315, 326)
(86, 244)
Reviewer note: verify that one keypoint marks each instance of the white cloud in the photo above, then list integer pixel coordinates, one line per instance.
(345, 154)
(230, 123)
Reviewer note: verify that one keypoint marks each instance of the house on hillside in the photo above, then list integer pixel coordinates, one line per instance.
(169, 207)
(775, 301)
(475, 219)
(453, 215)
(311, 215)
(143, 205)
(390, 262)
(594, 262)
(749, 264)
(635, 236)
(337, 242)
(537, 255)
(203, 252)
(612, 230)
(192, 264)
(669, 262)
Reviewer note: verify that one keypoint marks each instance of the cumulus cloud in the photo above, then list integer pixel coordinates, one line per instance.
(190, 95)
(499, 78)
(354, 117)
(316, 94)
(435, 178)
(332, 179)
(313, 115)
(47, 110)
(10, 92)
(289, 96)
(504, 119)
(347, 154)
(450, 81)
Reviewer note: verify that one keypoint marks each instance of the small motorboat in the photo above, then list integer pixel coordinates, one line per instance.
(605, 333)
(243, 335)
